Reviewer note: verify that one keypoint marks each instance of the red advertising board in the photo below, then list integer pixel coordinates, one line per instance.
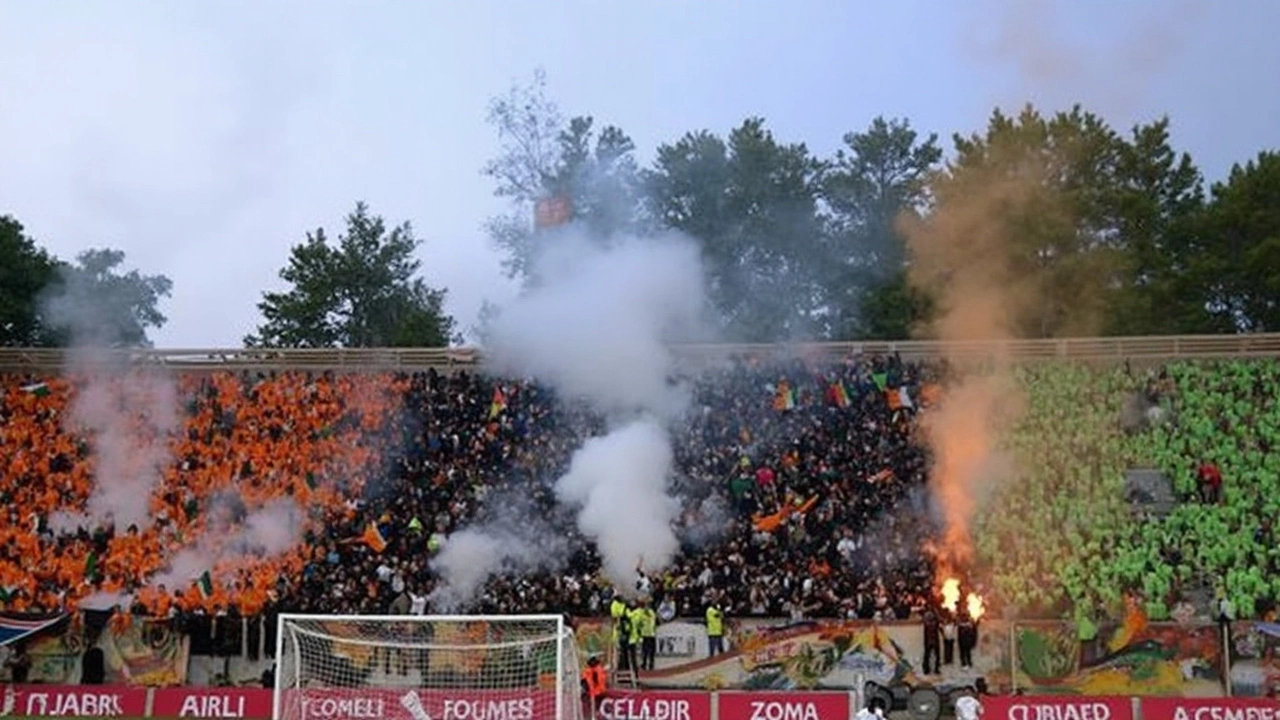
(211, 702)
(1051, 707)
(655, 705)
(74, 700)
(766, 705)
(1162, 708)
(422, 704)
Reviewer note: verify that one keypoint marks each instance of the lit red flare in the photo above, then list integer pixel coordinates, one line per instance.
(951, 599)
(976, 607)
(950, 594)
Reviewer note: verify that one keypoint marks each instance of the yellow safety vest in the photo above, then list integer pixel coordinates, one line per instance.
(648, 623)
(715, 622)
(635, 615)
(617, 609)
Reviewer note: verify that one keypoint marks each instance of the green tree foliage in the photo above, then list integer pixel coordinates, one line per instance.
(94, 301)
(362, 291)
(879, 175)
(46, 302)
(752, 202)
(25, 270)
(1240, 265)
(1025, 207)
(542, 156)
(1158, 203)
(1081, 228)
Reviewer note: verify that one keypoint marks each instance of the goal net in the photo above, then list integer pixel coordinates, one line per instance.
(522, 667)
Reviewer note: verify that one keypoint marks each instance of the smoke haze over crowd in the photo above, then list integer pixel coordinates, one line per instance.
(596, 328)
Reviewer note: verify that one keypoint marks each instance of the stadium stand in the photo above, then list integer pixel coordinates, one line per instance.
(804, 484)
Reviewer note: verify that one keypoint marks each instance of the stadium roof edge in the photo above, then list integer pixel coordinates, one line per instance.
(1086, 349)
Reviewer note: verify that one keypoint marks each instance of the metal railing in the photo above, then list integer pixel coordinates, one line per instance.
(1086, 349)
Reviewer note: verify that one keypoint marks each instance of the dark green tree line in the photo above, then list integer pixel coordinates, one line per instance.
(48, 302)
(1102, 231)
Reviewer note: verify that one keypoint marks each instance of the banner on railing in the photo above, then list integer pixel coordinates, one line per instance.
(75, 701)
(655, 705)
(1254, 647)
(1164, 659)
(143, 652)
(778, 705)
(1154, 708)
(1049, 707)
(1045, 658)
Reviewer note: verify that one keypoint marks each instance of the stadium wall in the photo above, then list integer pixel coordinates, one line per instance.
(256, 704)
(1039, 657)
(1097, 349)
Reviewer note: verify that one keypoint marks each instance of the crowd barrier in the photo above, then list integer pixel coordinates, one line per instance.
(1193, 659)
(1136, 348)
(256, 704)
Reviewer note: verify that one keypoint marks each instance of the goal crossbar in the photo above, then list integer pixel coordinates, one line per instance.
(420, 646)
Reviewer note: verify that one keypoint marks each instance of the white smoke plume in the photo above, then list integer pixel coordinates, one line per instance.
(597, 326)
(264, 532)
(125, 411)
(513, 534)
(471, 556)
(618, 483)
(128, 419)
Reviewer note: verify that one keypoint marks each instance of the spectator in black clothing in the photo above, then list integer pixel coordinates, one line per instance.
(967, 638)
(932, 645)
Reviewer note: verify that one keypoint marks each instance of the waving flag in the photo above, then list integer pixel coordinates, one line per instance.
(498, 405)
(784, 398)
(16, 627)
(838, 395)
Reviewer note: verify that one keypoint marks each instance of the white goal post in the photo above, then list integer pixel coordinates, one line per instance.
(426, 667)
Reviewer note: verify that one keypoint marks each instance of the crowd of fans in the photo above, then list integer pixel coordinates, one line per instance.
(804, 487)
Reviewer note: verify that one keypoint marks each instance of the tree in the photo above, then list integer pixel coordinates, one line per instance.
(25, 270)
(544, 157)
(1022, 231)
(362, 291)
(94, 302)
(1158, 206)
(752, 202)
(1240, 262)
(880, 174)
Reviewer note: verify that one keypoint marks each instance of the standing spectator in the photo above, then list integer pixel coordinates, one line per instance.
(967, 632)
(629, 632)
(715, 628)
(949, 638)
(932, 646)
(1210, 483)
(620, 629)
(648, 626)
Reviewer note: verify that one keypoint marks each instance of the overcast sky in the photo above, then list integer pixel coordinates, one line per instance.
(205, 138)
